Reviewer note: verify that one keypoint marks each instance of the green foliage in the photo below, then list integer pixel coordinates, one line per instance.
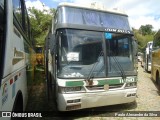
(146, 29)
(157, 39)
(143, 36)
(40, 23)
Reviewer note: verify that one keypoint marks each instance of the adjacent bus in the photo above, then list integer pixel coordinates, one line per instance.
(39, 54)
(16, 53)
(92, 58)
(155, 72)
(147, 59)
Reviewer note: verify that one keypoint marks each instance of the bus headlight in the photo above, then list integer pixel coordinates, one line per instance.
(70, 89)
(131, 85)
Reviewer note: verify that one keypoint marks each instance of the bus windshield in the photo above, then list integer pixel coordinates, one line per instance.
(119, 54)
(81, 52)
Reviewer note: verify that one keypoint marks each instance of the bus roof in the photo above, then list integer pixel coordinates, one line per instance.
(93, 6)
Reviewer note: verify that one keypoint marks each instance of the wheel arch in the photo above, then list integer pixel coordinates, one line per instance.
(157, 77)
(18, 101)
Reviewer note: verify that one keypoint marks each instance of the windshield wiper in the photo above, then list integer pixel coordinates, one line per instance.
(117, 63)
(90, 75)
(120, 67)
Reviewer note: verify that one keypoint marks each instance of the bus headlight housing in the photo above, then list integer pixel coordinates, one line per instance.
(131, 85)
(70, 89)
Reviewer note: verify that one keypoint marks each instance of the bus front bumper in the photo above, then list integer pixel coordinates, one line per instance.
(68, 102)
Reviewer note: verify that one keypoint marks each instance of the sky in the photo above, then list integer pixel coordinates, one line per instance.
(140, 12)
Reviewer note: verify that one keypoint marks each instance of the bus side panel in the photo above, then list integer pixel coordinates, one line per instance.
(13, 83)
(155, 63)
(9, 40)
(14, 77)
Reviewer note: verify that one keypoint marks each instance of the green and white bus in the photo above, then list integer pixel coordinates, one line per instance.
(16, 57)
(92, 58)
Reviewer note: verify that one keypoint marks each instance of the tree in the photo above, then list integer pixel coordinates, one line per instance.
(40, 23)
(146, 29)
(142, 40)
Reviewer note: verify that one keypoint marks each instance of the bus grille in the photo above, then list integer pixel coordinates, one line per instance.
(101, 87)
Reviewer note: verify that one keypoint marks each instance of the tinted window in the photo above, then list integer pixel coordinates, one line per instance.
(92, 17)
(27, 23)
(21, 15)
(80, 52)
(119, 53)
(1, 28)
(17, 9)
(1, 37)
(38, 49)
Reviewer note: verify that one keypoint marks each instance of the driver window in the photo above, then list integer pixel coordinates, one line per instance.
(1, 28)
(1, 37)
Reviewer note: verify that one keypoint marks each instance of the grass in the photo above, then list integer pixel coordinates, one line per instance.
(39, 75)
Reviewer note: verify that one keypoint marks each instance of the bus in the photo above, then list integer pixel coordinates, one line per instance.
(92, 58)
(39, 55)
(16, 57)
(155, 71)
(140, 56)
(147, 58)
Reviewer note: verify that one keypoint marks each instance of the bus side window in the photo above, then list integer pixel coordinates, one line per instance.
(17, 8)
(1, 25)
(27, 27)
(1, 38)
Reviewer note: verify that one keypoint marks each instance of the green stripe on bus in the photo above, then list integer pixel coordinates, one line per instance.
(110, 82)
(74, 83)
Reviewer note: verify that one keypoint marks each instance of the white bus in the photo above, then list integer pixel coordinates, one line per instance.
(147, 59)
(16, 67)
(92, 58)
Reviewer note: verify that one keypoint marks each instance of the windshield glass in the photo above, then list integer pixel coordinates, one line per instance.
(73, 15)
(119, 54)
(80, 52)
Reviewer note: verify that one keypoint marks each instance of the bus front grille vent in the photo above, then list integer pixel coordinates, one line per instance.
(115, 86)
(101, 87)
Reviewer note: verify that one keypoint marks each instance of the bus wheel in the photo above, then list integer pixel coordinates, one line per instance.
(55, 94)
(158, 79)
(18, 106)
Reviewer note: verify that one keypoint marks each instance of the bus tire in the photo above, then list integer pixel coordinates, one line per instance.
(158, 79)
(55, 96)
(18, 106)
(55, 89)
(48, 86)
(146, 66)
